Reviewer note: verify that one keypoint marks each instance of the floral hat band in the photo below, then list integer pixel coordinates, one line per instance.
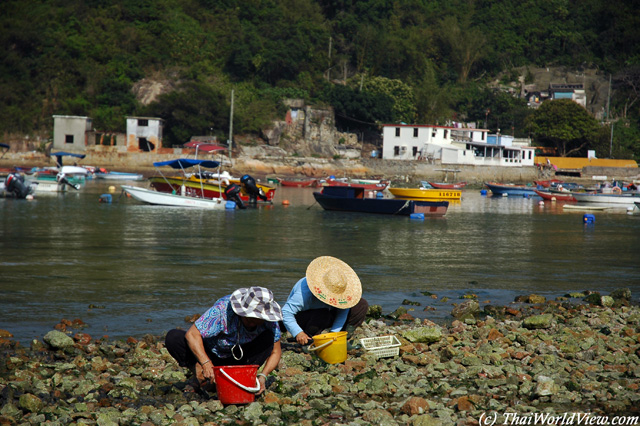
(334, 282)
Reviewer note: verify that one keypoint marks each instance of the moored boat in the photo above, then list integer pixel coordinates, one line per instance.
(509, 189)
(380, 186)
(297, 183)
(118, 176)
(352, 199)
(210, 185)
(627, 199)
(150, 196)
(181, 196)
(426, 193)
(555, 195)
(444, 185)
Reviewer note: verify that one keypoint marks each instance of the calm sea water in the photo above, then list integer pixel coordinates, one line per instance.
(128, 269)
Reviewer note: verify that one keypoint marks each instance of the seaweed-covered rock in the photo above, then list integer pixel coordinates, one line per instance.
(58, 340)
(423, 335)
(538, 321)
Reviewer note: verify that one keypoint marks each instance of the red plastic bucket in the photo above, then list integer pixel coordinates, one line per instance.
(236, 384)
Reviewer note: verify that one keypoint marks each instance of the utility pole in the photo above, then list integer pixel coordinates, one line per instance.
(230, 141)
(609, 118)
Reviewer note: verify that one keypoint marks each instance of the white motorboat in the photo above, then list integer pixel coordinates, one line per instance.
(626, 199)
(166, 199)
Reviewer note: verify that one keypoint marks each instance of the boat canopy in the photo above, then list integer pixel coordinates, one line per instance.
(183, 163)
(68, 154)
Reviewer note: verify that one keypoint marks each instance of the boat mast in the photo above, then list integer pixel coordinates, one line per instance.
(230, 141)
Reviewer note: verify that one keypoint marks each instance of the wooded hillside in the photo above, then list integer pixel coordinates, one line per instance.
(376, 61)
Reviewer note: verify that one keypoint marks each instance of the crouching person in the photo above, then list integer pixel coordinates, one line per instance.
(239, 329)
(328, 297)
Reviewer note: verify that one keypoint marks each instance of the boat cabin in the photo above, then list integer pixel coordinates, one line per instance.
(344, 191)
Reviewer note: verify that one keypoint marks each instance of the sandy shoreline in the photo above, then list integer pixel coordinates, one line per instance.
(503, 364)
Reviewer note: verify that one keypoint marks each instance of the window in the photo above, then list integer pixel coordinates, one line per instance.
(396, 150)
(434, 133)
(415, 151)
(482, 136)
(445, 133)
(68, 138)
(415, 132)
(143, 122)
(529, 155)
(397, 132)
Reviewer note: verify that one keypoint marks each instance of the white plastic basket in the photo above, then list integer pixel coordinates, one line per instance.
(381, 347)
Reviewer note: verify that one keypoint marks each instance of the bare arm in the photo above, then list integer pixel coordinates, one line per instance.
(270, 365)
(194, 339)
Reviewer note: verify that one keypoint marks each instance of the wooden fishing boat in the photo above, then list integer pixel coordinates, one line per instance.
(297, 183)
(444, 185)
(509, 189)
(207, 185)
(555, 195)
(351, 199)
(426, 193)
(547, 183)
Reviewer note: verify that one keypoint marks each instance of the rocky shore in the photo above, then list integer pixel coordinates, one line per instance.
(574, 360)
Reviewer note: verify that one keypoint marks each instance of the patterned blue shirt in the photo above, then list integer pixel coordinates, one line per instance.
(221, 329)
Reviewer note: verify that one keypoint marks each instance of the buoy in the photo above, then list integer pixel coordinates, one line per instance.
(112, 189)
(483, 192)
(589, 218)
(504, 194)
(105, 198)
(29, 197)
(285, 202)
(541, 203)
(417, 216)
(525, 195)
(230, 205)
(379, 195)
(553, 199)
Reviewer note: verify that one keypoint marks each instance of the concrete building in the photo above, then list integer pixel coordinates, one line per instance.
(144, 134)
(70, 133)
(453, 145)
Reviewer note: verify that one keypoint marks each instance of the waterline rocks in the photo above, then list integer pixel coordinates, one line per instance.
(549, 358)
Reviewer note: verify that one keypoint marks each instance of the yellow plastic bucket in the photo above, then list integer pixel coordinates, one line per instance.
(330, 347)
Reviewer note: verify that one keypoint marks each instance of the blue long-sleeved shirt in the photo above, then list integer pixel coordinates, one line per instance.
(301, 299)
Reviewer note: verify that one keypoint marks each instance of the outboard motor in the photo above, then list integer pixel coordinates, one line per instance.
(233, 194)
(252, 189)
(61, 178)
(14, 184)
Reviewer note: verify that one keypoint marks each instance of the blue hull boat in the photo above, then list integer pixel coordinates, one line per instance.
(510, 189)
(350, 199)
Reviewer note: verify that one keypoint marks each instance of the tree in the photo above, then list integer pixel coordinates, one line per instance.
(564, 125)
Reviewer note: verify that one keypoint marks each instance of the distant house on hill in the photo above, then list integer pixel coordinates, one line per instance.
(70, 133)
(144, 134)
(453, 145)
(556, 91)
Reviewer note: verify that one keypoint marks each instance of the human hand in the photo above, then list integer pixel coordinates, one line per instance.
(302, 338)
(262, 379)
(207, 372)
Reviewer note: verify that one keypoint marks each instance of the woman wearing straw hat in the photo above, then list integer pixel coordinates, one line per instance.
(239, 329)
(329, 296)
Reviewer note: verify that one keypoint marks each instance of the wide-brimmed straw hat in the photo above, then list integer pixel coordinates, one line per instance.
(256, 302)
(334, 282)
